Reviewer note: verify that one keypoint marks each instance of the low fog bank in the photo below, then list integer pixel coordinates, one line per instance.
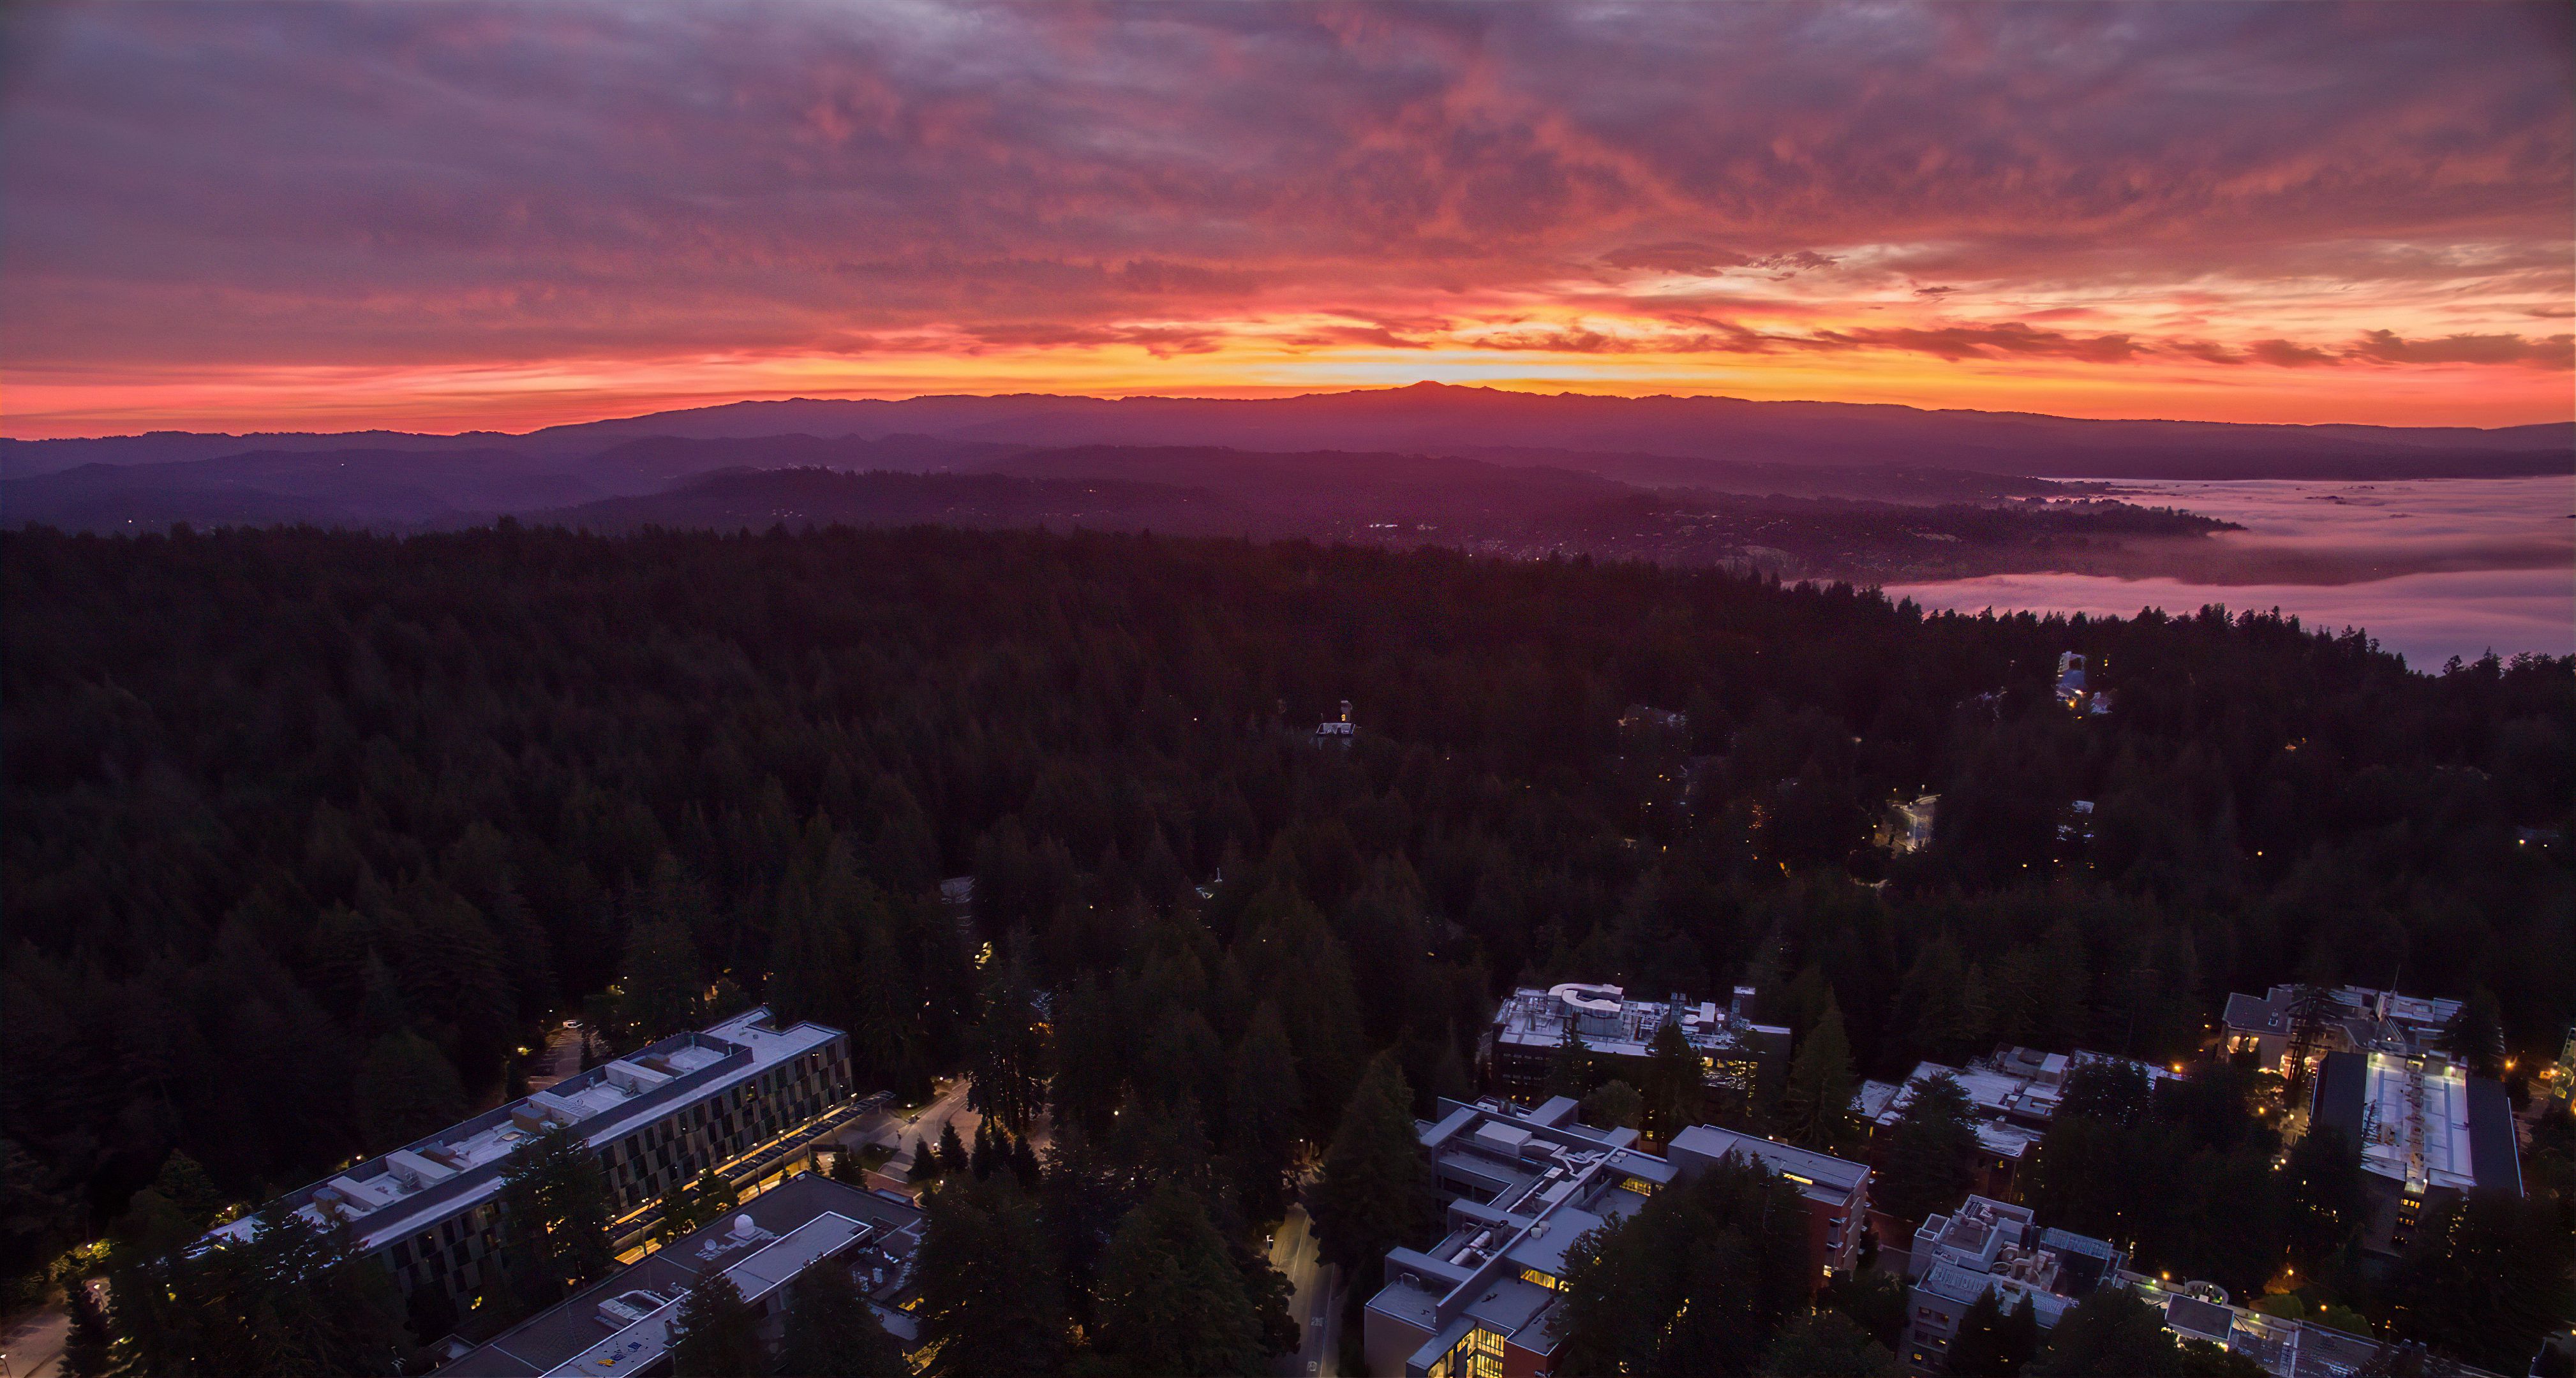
(2433, 568)
(2427, 618)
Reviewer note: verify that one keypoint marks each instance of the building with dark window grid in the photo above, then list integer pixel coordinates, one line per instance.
(745, 1097)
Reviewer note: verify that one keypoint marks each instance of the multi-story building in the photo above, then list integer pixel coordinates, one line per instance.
(1836, 1191)
(2285, 1348)
(745, 1098)
(2427, 1130)
(1517, 1188)
(1907, 827)
(2349, 1019)
(2074, 692)
(622, 1324)
(1337, 731)
(2012, 1096)
(1988, 1246)
(1533, 1027)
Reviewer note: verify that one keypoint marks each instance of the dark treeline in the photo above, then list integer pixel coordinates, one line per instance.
(307, 834)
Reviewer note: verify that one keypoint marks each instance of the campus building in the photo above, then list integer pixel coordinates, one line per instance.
(2012, 1096)
(622, 1324)
(1836, 1191)
(1985, 1246)
(1517, 1187)
(2349, 1019)
(745, 1098)
(2285, 1348)
(2072, 689)
(1532, 1028)
(2428, 1132)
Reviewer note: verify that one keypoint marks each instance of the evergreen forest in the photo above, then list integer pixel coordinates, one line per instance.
(311, 837)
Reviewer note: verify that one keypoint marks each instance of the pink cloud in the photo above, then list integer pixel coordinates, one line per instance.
(2550, 351)
(465, 183)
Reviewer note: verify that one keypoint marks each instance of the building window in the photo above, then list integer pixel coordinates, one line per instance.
(1545, 1280)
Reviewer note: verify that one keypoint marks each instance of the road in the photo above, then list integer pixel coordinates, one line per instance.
(559, 1060)
(33, 1348)
(1315, 1304)
(949, 1108)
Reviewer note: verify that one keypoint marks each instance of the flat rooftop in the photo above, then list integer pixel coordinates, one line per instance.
(1821, 1176)
(2014, 1084)
(2411, 1117)
(412, 1188)
(1609, 1022)
(622, 1321)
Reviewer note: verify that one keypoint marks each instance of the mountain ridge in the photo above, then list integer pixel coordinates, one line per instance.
(1451, 419)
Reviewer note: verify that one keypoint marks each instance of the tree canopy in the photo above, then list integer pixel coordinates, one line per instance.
(297, 818)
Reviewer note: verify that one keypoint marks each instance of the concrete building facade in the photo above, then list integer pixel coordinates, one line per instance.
(1532, 1028)
(1517, 1187)
(621, 1324)
(745, 1098)
(2353, 1020)
(1836, 1190)
(1988, 1245)
(2012, 1096)
(2428, 1132)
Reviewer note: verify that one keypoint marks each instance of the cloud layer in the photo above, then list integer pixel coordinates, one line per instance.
(457, 213)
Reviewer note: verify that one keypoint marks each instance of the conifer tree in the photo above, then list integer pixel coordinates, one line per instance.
(1264, 1104)
(813, 968)
(2017, 1337)
(1569, 1069)
(289, 1299)
(2475, 1035)
(1930, 1155)
(832, 1332)
(87, 1341)
(1674, 1086)
(1694, 1282)
(2110, 1334)
(1009, 1049)
(554, 1205)
(716, 1334)
(2484, 1277)
(992, 1303)
(1370, 1198)
(1614, 1105)
(953, 1159)
(407, 1089)
(1827, 1344)
(1287, 953)
(2324, 1195)
(1994, 1339)
(1025, 1168)
(660, 985)
(1818, 1099)
(1171, 1299)
(183, 1180)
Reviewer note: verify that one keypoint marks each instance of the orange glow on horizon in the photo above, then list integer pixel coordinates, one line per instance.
(519, 397)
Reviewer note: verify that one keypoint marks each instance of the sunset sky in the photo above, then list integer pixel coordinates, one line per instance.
(447, 216)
